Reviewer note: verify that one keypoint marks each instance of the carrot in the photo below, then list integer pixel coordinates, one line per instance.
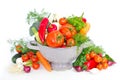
(43, 61)
(85, 29)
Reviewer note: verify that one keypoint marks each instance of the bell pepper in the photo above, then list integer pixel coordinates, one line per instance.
(90, 64)
(42, 28)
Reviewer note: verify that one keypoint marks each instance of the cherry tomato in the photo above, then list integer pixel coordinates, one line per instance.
(34, 58)
(30, 54)
(35, 65)
(105, 65)
(62, 21)
(55, 39)
(87, 57)
(18, 48)
(97, 58)
(25, 58)
(70, 42)
(66, 32)
(92, 54)
(104, 60)
(99, 67)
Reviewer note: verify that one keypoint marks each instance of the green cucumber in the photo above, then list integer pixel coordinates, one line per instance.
(14, 58)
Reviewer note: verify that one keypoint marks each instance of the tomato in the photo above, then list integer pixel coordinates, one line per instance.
(34, 58)
(104, 60)
(97, 58)
(30, 54)
(92, 54)
(35, 65)
(18, 48)
(99, 67)
(70, 42)
(66, 32)
(25, 57)
(62, 21)
(55, 39)
(71, 28)
(105, 65)
(87, 57)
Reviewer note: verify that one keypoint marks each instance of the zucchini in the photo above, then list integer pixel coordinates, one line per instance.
(15, 57)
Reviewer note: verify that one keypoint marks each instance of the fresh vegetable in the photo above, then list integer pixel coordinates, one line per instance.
(71, 28)
(78, 68)
(79, 39)
(62, 21)
(70, 42)
(43, 61)
(97, 59)
(27, 69)
(52, 27)
(25, 57)
(30, 54)
(42, 29)
(90, 64)
(55, 39)
(14, 58)
(99, 66)
(76, 22)
(110, 63)
(85, 29)
(35, 65)
(34, 16)
(36, 34)
(18, 48)
(66, 32)
(34, 58)
(105, 65)
(84, 20)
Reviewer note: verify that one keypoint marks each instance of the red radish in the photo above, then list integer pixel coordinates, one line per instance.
(110, 63)
(78, 68)
(84, 20)
(52, 27)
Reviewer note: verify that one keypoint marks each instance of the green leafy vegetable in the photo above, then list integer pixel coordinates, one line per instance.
(79, 39)
(109, 58)
(76, 21)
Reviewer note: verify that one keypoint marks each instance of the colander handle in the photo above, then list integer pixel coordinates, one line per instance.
(33, 45)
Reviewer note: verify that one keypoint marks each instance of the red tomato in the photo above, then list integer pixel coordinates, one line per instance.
(30, 54)
(66, 32)
(34, 58)
(98, 59)
(62, 21)
(70, 42)
(55, 39)
(25, 58)
(35, 65)
(71, 28)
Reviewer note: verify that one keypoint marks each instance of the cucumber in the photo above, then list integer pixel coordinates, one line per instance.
(15, 57)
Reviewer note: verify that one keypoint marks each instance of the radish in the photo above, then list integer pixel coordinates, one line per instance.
(110, 63)
(78, 68)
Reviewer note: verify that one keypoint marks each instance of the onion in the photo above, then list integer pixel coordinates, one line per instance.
(27, 69)
(78, 68)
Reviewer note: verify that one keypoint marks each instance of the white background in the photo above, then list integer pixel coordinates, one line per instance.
(103, 15)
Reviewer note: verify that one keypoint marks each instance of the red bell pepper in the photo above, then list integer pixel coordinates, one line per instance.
(42, 29)
(90, 64)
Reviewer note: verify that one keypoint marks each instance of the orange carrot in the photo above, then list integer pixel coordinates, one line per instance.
(43, 61)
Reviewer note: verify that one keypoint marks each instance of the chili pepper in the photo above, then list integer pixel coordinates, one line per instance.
(42, 29)
(90, 64)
